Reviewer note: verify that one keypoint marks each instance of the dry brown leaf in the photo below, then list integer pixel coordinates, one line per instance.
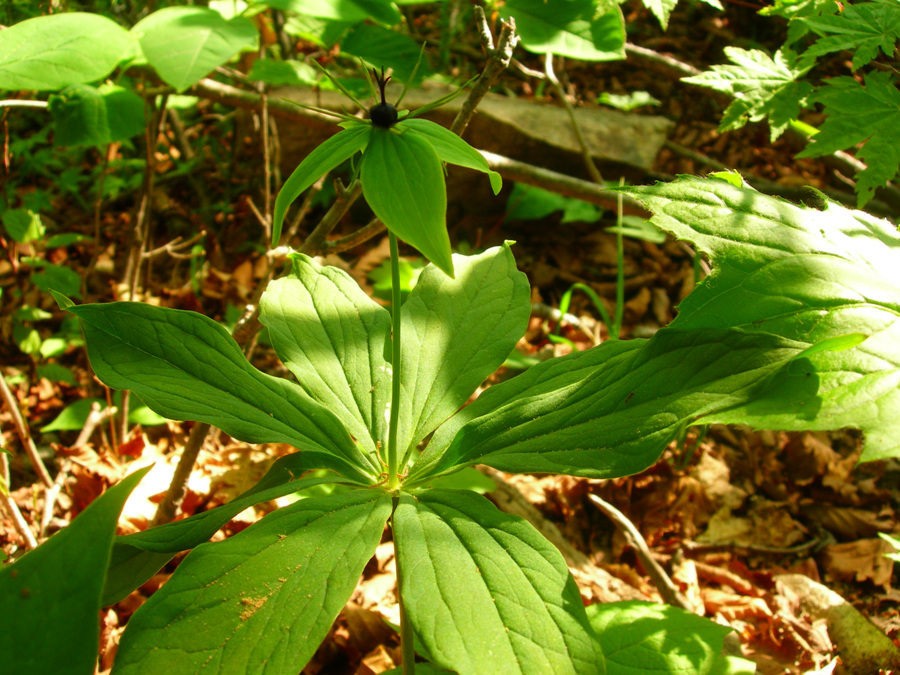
(861, 560)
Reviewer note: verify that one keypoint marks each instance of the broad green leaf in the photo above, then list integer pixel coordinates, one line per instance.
(73, 416)
(403, 182)
(611, 410)
(86, 115)
(183, 44)
(57, 278)
(451, 148)
(388, 48)
(184, 365)
(55, 51)
(860, 113)
(568, 28)
(862, 28)
(50, 599)
(642, 638)
(275, 72)
(485, 592)
(455, 333)
(137, 557)
(332, 337)
(805, 275)
(23, 225)
(263, 600)
(350, 11)
(762, 87)
(340, 147)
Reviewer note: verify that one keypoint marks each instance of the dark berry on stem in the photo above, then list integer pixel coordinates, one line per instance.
(382, 114)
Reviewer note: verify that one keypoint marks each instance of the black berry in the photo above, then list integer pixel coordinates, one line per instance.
(382, 114)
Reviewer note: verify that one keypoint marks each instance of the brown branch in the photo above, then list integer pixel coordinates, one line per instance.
(23, 433)
(669, 592)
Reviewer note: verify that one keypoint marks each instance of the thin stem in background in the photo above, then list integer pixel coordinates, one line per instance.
(393, 480)
(620, 269)
(23, 433)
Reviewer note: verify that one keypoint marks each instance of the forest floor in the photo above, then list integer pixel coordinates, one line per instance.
(725, 510)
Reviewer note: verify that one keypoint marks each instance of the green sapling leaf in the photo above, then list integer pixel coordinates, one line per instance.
(762, 87)
(51, 52)
(820, 277)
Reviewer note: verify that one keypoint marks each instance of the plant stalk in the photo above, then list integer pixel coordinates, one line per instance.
(407, 643)
(393, 478)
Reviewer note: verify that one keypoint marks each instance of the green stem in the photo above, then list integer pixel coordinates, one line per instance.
(393, 478)
(620, 272)
(407, 642)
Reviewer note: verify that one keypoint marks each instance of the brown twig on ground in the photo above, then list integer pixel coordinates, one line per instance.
(669, 592)
(23, 433)
(11, 507)
(520, 172)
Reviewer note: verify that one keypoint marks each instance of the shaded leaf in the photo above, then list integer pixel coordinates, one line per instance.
(485, 592)
(858, 113)
(260, 601)
(86, 115)
(49, 599)
(403, 182)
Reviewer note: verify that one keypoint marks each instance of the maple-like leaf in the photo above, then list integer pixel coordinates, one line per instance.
(862, 29)
(859, 113)
(762, 87)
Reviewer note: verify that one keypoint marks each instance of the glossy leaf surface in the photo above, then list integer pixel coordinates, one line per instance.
(485, 592)
(263, 600)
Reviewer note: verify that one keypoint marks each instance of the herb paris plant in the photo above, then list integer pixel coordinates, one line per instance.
(480, 590)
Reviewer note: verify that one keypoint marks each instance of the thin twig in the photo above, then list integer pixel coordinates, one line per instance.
(23, 433)
(560, 183)
(669, 592)
(362, 235)
(498, 60)
(165, 512)
(576, 128)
